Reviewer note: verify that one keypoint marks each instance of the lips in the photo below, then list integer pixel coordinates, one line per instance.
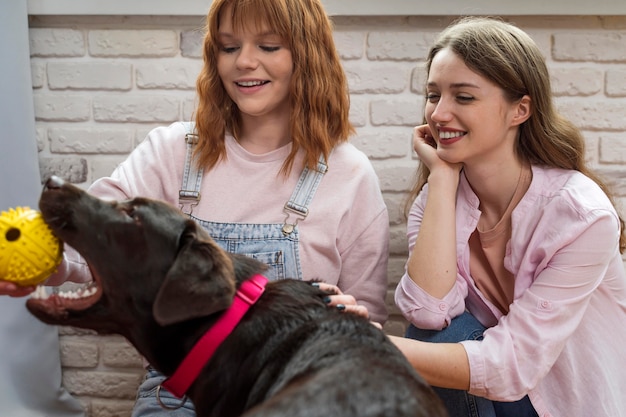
(450, 137)
(250, 83)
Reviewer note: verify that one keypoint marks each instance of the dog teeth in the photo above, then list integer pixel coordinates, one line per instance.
(41, 293)
(74, 295)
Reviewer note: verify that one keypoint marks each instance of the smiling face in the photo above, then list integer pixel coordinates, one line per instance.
(255, 66)
(468, 114)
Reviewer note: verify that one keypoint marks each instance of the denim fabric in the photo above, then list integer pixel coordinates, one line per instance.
(460, 403)
(146, 403)
(264, 242)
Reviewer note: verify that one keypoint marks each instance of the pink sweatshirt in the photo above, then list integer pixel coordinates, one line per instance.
(563, 341)
(343, 241)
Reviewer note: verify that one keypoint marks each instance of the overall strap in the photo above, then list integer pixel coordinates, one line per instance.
(189, 194)
(303, 194)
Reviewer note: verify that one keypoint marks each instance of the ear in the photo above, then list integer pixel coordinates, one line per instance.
(200, 282)
(522, 111)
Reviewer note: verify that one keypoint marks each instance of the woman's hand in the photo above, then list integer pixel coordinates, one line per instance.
(13, 290)
(344, 302)
(425, 146)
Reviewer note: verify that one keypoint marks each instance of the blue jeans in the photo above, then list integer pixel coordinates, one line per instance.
(460, 403)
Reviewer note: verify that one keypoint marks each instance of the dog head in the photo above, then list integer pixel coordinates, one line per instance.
(152, 266)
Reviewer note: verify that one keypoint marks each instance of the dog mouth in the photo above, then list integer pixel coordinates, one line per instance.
(58, 304)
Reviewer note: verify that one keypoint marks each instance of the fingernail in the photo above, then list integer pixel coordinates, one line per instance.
(341, 307)
(315, 284)
(326, 300)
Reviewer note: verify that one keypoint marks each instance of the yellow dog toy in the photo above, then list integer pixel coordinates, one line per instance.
(29, 252)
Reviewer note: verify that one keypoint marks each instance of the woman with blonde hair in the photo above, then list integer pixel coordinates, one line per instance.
(515, 287)
(267, 167)
(514, 243)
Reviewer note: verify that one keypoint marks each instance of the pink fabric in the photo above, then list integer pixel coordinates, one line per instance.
(343, 241)
(563, 341)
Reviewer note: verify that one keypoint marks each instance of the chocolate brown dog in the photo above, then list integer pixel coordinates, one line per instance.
(161, 282)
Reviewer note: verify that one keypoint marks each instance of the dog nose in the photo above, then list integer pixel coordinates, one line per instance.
(54, 182)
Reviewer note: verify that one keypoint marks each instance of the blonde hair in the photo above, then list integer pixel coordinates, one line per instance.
(507, 56)
(319, 98)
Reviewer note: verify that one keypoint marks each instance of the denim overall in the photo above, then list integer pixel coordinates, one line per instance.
(273, 244)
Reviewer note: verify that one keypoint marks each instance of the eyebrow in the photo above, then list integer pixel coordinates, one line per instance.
(258, 35)
(455, 85)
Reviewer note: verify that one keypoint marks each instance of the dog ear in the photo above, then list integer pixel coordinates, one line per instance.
(200, 282)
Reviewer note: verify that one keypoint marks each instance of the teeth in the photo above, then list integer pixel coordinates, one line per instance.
(42, 294)
(249, 83)
(450, 135)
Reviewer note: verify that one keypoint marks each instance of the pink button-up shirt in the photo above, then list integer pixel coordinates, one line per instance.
(563, 341)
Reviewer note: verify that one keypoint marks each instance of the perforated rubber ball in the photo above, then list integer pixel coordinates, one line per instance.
(29, 252)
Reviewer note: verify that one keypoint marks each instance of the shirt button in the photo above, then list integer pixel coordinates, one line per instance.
(443, 306)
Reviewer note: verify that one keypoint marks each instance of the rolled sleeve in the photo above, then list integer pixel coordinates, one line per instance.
(425, 311)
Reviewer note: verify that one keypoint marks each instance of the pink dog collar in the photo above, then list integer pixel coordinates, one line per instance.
(189, 369)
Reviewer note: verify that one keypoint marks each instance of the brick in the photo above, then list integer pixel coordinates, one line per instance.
(109, 384)
(189, 108)
(395, 270)
(77, 354)
(398, 45)
(81, 140)
(592, 146)
(395, 205)
(616, 83)
(350, 44)
(62, 108)
(419, 78)
(89, 75)
(592, 115)
(111, 408)
(133, 43)
(56, 42)
(397, 241)
(376, 77)
(397, 177)
(405, 111)
(395, 326)
(590, 46)
(576, 81)
(71, 169)
(179, 76)
(612, 148)
(75, 331)
(191, 43)
(120, 354)
(384, 143)
(104, 167)
(144, 108)
(358, 111)
(38, 74)
(41, 138)
(615, 177)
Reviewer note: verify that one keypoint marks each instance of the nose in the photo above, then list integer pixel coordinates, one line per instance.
(441, 111)
(54, 182)
(247, 59)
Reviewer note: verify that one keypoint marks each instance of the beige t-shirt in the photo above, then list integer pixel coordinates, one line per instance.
(487, 251)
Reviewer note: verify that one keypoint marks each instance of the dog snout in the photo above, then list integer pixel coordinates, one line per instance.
(54, 182)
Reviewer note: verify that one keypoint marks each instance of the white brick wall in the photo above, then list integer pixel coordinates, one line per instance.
(100, 84)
